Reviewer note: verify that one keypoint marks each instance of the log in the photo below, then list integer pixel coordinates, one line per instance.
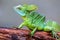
(22, 34)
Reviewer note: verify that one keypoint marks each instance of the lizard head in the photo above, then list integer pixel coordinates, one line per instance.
(24, 9)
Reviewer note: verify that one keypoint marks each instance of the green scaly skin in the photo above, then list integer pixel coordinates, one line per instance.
(35, 21)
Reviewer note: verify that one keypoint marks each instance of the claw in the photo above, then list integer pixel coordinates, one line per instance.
(32, 34)
(55, 35)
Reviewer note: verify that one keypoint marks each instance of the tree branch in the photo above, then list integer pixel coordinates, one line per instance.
(20, 34)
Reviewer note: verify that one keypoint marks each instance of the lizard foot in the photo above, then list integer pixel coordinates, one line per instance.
(55, 35)
(32, 34)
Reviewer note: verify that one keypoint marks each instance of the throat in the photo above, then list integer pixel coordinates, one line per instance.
(24, 17)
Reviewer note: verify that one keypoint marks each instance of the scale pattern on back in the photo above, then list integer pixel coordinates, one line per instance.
(35, 18)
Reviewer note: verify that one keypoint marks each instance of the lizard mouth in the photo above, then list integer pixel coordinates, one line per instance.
(18, 10)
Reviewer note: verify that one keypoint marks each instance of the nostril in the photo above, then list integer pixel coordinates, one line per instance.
(14, 37)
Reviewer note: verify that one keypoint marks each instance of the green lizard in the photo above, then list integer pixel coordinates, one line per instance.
(35, 21)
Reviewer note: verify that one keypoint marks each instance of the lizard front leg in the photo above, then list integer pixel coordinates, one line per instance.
(32, 33)
(21, 25)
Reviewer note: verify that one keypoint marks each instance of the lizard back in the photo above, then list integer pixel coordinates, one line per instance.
(35, 19)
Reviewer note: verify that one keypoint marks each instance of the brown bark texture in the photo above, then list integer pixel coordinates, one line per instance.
(22, 34)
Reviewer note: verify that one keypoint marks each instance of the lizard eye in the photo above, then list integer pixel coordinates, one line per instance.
(29, 11)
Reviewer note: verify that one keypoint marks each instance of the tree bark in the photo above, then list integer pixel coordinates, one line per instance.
(22, 34)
